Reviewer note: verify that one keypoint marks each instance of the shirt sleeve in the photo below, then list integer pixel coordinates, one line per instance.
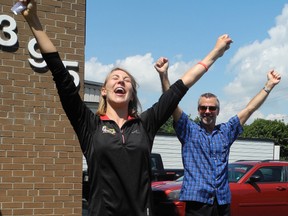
(80, 116)
(154, 117)
(183, 127)
(234, 128)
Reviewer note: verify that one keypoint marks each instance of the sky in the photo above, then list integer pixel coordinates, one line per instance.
(133, 34)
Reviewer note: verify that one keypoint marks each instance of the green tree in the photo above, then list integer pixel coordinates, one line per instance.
(168, 126)
(271, 129)
(197, 119)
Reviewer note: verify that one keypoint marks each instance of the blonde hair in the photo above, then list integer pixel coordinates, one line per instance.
(134, 104)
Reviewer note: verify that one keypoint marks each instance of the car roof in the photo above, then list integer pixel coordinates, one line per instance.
(254, 162)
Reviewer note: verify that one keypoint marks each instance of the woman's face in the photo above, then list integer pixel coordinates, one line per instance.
(118, 88)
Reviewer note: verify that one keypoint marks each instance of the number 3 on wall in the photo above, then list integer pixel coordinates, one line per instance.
(8, 30)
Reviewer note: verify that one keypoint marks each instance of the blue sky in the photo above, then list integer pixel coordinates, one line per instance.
(134, 34)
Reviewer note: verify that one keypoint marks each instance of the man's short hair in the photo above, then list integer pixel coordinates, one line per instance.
(209, 95)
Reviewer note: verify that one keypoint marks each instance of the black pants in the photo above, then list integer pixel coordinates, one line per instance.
(203, 209)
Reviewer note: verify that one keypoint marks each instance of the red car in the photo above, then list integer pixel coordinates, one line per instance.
(257, 187)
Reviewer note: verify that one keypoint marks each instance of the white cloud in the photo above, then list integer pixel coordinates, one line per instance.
(252, 62)
(140, 66)
(279, 117)
(96, 71)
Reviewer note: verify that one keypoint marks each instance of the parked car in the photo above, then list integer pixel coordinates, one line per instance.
(257, 187)
(166, 198)
(159, 173)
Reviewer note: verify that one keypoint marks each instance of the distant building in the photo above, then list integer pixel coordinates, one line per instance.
(92, 94)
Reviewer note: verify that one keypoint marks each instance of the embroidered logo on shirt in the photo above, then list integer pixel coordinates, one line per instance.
(108, 130)
(135, 132)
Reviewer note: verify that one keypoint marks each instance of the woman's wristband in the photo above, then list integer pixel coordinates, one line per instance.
(204, 65)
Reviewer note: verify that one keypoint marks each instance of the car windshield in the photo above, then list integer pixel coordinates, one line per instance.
(236, 171)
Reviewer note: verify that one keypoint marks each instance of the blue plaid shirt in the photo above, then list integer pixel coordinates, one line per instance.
(205, 159)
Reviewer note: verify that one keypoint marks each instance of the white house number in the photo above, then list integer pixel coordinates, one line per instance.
(12, 39)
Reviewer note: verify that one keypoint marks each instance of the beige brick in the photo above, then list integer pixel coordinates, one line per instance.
(40, 156)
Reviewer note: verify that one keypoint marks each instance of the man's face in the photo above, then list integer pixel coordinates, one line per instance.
(208, 109)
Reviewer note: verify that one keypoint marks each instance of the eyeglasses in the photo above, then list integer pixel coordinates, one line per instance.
(204, 108)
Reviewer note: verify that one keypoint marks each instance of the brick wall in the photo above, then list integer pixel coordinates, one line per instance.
(40, 157)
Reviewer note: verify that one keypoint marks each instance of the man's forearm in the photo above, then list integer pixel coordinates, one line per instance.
(164, 81)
